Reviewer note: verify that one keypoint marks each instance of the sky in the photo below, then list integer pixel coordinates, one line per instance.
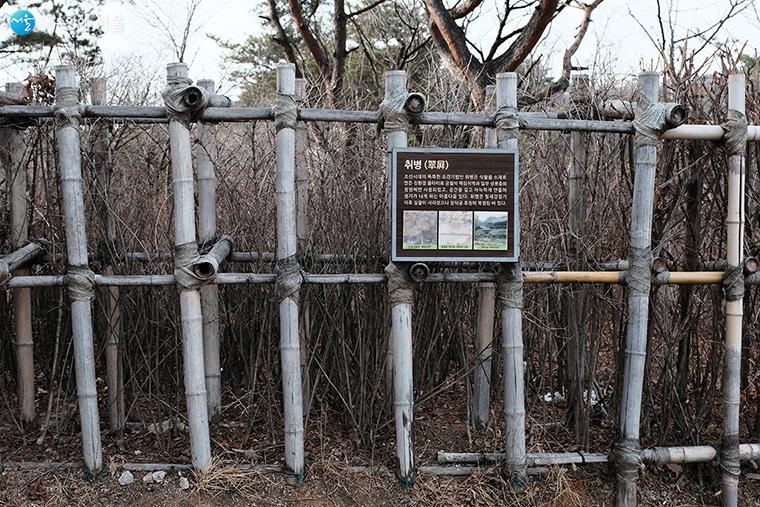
(616, 43)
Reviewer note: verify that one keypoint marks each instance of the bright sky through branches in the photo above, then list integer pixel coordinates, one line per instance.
(617, 40)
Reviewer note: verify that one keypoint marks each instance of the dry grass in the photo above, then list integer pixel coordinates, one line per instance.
(248, 484)
(331, 482)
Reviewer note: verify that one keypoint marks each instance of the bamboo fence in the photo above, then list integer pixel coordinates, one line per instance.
(197, 275)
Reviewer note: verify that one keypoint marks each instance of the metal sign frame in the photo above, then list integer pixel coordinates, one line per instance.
(452, 257)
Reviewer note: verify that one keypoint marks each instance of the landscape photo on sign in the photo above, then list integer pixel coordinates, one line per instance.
(455, 230)
(420, 230)
(491, 228)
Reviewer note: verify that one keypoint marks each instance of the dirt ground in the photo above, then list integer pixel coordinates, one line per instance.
(332, 483)
(332, 455)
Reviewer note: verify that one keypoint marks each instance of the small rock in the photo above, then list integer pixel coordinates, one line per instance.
(126, 477)
(148, 479)
(184, 484)
(158, 476)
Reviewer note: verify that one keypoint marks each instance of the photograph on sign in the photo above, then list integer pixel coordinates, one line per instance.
(420, 229)
(454, 205)
(454, 230)
(491, 229)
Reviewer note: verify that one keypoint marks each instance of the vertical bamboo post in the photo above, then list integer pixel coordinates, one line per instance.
(288, 268)
(190, 299)
(103, 168)
(303, 235)
(399, 294)
(79, 278)
(206, 154)
(576, 340)
(510, 289)
(627, 458)
(481, 396)
(23, 340)
(302, 173)
(734, 295)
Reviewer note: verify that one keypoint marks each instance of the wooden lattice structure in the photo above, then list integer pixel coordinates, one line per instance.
(197, 274)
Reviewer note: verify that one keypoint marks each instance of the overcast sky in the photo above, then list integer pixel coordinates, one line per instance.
(617, 41)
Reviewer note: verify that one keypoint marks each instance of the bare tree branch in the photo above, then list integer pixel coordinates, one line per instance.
(281, 36)
(315, 48)
(582, 29)
(463, 9)
(365, 9)
(527, 40)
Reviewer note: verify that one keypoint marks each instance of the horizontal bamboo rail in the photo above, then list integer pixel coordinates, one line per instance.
(244, 257)
(528, 121)
(459, 463)
(23, 255)
(531, 277)
(653, 456)
(751, 264)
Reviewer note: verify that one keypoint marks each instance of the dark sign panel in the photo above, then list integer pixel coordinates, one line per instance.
(455, 205)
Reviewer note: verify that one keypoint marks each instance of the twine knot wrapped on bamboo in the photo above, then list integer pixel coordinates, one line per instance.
(735, 133)
(289, 278)
(393, 116)
(183, 101)
(639, 274)
(729, 456)
(193, 271)
(652, 118)
(67, 107)
(185, 256)
(285, 112)
(509, 287)
(400, 285)
(506, 122)
(626, 455)
(733, 283)
(79, 281)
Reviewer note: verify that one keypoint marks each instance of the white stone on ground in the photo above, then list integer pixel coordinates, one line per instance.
(158, 476)
(184, 483)
(126, 477)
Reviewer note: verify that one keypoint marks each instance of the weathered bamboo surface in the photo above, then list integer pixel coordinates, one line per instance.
(80, 293)
(654, 456)
(751, 263)
(18, 195)
(639, 287)
(287, 239)
(528, 121)
(484, 334)
(205, 155)
(23, 255)
(399, 356)
(734, 303)
(189, 297)
(529, 277)
(510, 294)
